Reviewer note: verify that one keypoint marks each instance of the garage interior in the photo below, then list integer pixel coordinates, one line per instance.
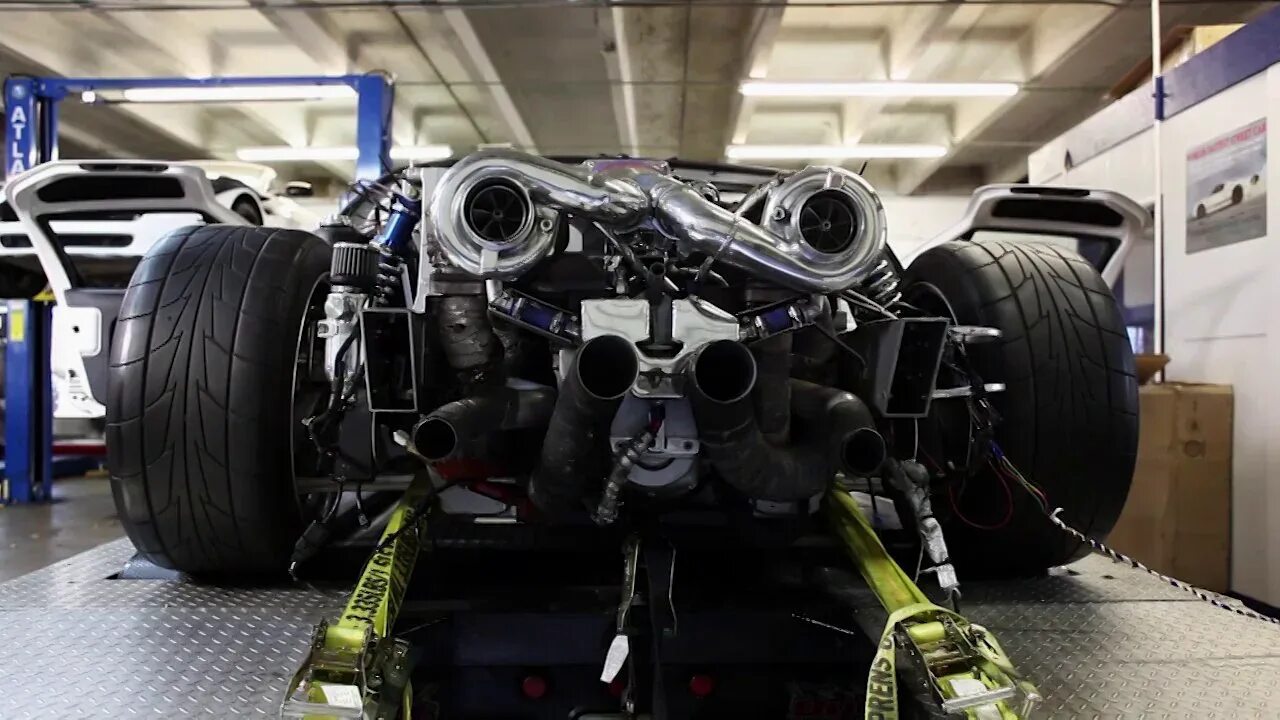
(288, 431)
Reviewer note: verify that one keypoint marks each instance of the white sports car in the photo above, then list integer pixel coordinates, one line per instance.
(1225, 195)
(93, 220)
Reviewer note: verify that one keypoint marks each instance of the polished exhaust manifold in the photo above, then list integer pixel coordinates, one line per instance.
(494, 215)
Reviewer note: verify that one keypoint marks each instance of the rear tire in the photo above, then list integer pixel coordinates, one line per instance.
(198, 411)
(1068, 418)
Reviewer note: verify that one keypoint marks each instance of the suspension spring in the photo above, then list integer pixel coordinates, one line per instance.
(882, 285)
(390, 281)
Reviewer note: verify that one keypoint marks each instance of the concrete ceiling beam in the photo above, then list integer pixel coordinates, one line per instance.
(481, 68)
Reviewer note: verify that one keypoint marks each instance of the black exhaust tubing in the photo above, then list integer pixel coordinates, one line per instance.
(721, 377)
(456, 429)
(853, 443)
(576, 447)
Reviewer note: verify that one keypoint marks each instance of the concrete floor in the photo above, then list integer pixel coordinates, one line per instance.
(81, 516)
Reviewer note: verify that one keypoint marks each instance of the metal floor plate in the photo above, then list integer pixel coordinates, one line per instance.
(76, 644)
(1100, 641)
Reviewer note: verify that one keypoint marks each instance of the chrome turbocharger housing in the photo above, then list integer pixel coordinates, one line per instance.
(489, 226)
(494, 215)
(828, 217)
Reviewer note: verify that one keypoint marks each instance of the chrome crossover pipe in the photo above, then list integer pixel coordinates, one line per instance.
(821, 229)
(777, 249)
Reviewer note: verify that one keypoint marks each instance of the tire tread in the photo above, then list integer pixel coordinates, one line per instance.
(197, 421)
(1070, 408)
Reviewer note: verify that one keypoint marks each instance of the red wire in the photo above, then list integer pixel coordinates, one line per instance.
(1008, 509)
(925, 454)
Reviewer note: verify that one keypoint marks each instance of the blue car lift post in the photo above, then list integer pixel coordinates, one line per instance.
(31, 111)
(28, 429)
(31, 138)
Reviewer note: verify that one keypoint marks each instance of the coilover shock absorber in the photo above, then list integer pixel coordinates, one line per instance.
(392, 242)
(882, 284)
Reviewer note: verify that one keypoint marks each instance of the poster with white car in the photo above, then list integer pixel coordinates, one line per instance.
(1227, 189)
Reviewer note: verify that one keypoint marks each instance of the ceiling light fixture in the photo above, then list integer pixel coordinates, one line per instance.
(236, 93)
(906, 89)
(421, 153)
(286, 153)
(861, 151)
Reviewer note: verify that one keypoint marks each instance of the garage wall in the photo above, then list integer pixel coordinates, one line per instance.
(1221, 319)
(1222, 325)
(914, 220)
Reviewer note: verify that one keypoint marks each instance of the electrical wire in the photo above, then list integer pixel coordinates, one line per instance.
(830, 335)
(867, 303)
(1001, 464)
(419, 515)
(1008, 508)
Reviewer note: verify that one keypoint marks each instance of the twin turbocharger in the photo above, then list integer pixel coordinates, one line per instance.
(494, 215)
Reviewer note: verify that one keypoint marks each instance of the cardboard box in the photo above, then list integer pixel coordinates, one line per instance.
(1178, 516)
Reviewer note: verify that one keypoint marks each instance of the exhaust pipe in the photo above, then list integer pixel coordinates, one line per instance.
(723, 372)
(721, 377)
(576, 447)
(853, 443)
(453, 429)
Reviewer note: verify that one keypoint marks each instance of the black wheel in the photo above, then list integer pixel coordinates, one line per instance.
(247, 209)
(1068, 418)
(1200, 212)
(199, 415)
(1237, 195)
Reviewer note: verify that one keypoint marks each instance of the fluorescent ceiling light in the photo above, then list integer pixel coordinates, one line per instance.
(236, 93)
(861, 151)
(421, 153)
(762, 88)
(285, 153)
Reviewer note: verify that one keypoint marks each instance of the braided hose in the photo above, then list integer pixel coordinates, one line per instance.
(607, 511)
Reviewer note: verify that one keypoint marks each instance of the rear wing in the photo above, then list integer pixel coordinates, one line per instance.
(107, 195)
(1095, 215)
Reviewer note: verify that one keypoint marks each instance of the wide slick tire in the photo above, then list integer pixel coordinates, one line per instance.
(1067, 419)
(199, 397)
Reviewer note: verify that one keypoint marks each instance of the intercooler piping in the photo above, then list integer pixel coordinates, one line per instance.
(843, 437)
(575, 449)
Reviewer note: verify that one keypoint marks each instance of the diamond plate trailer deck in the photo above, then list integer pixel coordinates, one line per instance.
(1100, 640)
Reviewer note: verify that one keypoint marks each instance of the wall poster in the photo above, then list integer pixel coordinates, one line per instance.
(1227, 189)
